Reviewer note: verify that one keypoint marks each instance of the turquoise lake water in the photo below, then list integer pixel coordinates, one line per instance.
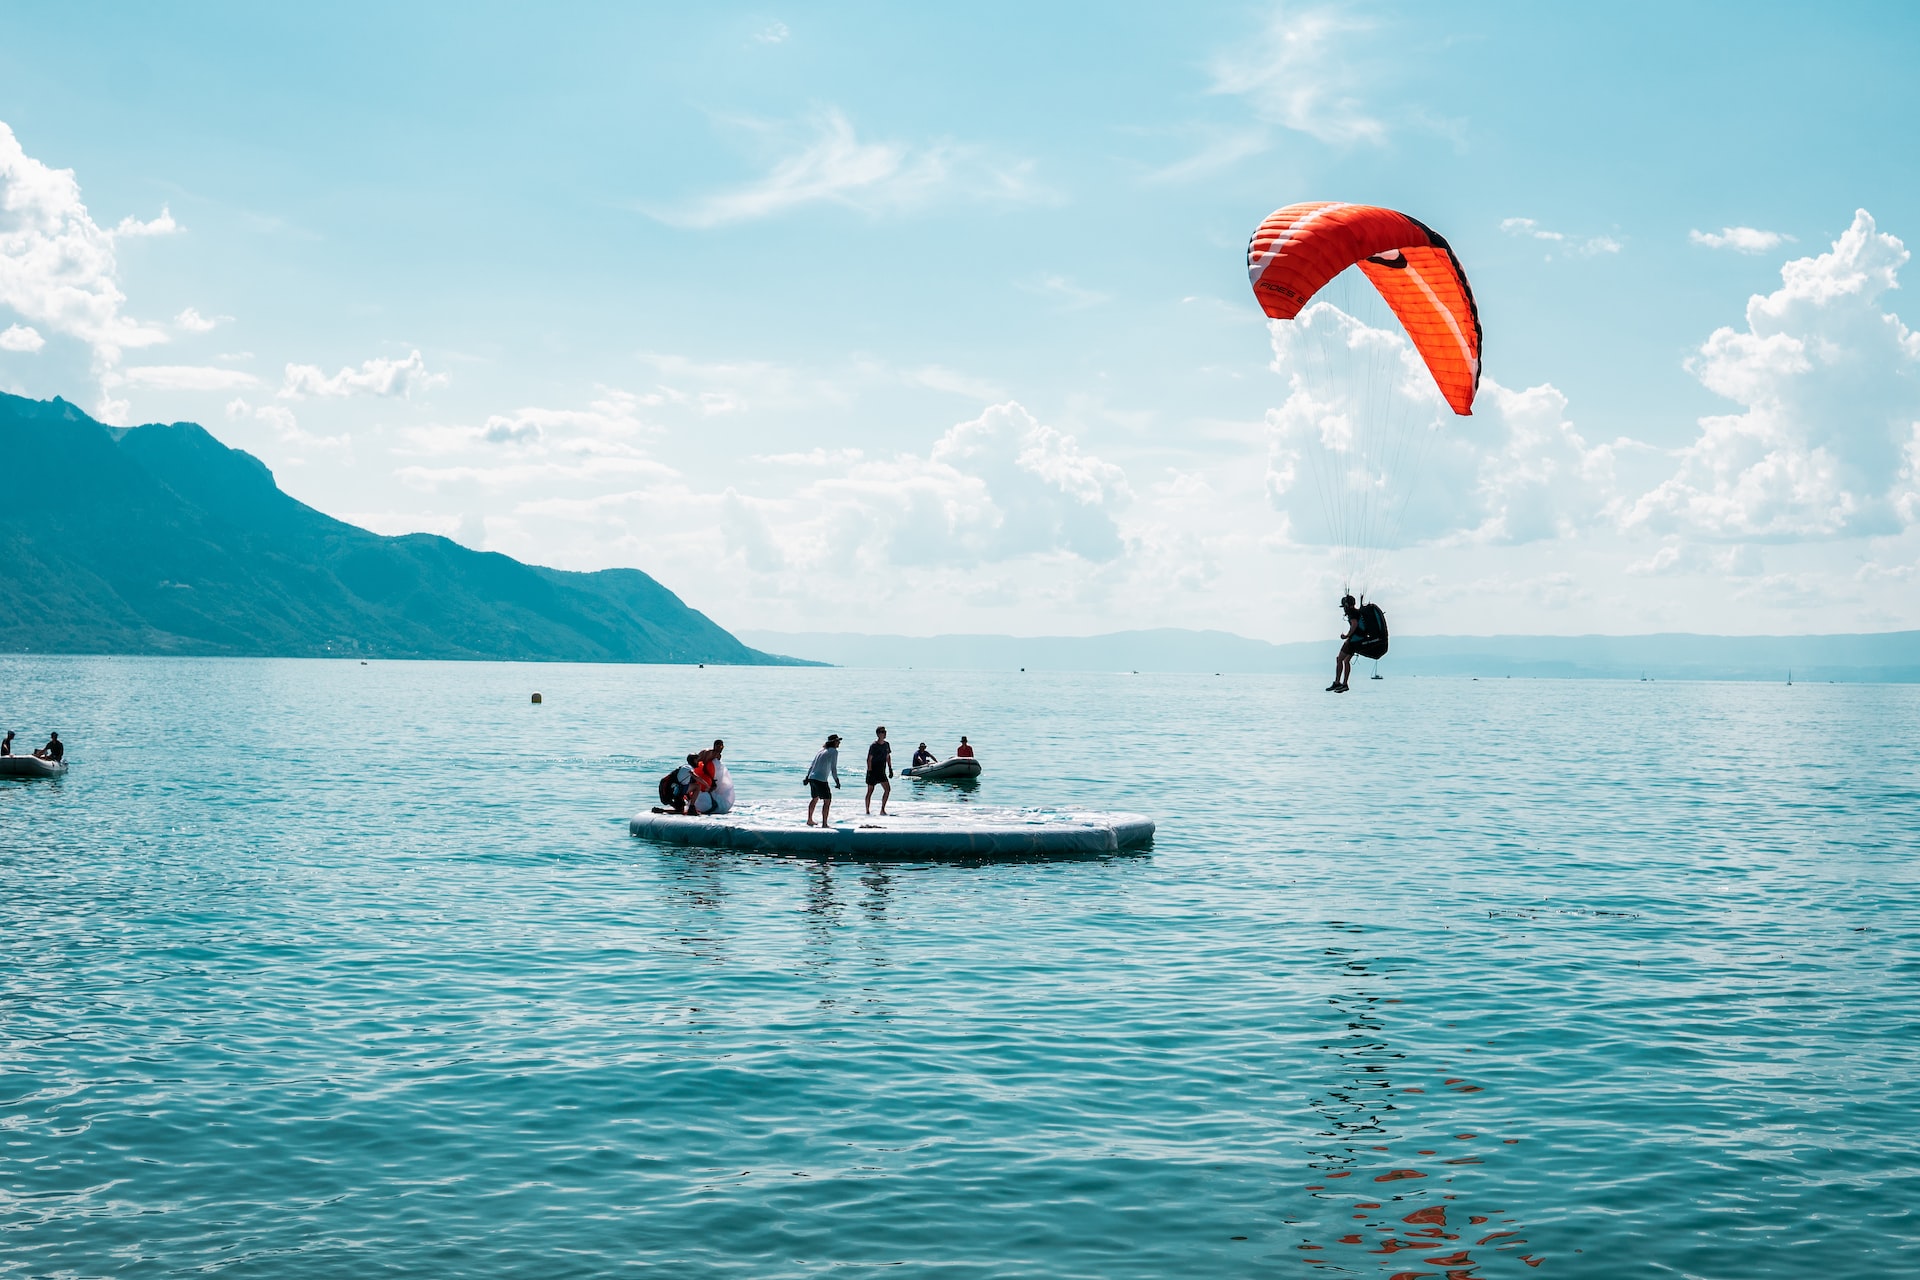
(318, 969)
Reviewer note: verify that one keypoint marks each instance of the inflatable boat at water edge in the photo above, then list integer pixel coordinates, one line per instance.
(30, 767)
(945, 770)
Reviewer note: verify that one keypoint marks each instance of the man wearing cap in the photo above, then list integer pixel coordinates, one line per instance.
(825, 765)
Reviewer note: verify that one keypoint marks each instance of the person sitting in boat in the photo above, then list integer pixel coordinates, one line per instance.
(964, 751)
(922, 757)
(54, 750)
(6, 744)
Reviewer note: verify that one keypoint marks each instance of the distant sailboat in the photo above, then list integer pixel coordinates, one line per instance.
(1789, 677)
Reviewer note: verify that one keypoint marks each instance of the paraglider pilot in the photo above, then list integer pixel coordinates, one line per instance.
(1366, 636)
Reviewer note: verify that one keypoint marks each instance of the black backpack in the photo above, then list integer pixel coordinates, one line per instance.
(1373, 623)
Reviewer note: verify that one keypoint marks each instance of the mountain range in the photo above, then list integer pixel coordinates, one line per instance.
(1884, 657)
(159, 539)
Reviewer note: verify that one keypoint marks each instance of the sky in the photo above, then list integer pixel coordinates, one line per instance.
(918, 319)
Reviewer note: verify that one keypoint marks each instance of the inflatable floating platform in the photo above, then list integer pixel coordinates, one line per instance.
(912, 830)
(30, 767)
(945, 770)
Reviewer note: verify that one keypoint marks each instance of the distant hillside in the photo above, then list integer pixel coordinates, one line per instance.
(160, 539)
(1887, 657)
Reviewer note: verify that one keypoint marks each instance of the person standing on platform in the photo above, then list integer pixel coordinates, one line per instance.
(880, 769)
(825, 765)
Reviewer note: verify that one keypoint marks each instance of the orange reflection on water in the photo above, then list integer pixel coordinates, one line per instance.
(1365, 1111)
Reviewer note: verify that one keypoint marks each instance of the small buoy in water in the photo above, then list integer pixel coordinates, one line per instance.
(536, 698)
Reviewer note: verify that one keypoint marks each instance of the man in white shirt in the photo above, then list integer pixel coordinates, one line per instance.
(825, 765)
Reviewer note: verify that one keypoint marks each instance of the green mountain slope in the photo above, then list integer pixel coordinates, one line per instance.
(160, 539)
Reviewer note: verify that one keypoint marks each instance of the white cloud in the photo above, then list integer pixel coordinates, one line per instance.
(164, 225)
(772, 33)
(20, 337)
(57, 266)
(811, 458)
(286, 428)
(193, 322)
(1828, 380)
(501, 429)
(937, 377)
(1001, 489)
(613, 416)
(833, 166)
(1364, 453)
(1070, 295)
(1299, 74)
(1739, 239)
(1049, 495)
(380, 376)
(183, 377)
(513, 474)
(1675, 556)
(713, 387)
(1586, 246)
(1218, 151)
(537, 444)
(996, 488)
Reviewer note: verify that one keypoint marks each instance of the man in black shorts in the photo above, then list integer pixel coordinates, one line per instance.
(825, 765)
(1360, 639)
(879, 769)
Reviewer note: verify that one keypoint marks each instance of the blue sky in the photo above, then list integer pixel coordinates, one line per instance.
(888, 318)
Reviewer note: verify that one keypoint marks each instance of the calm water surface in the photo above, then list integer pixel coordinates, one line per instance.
(319, 969)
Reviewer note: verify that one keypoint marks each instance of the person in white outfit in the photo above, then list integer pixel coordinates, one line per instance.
(825, 765)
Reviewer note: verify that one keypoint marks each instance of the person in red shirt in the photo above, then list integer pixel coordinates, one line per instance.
(965, 752)
(709, 760)
(704, 774)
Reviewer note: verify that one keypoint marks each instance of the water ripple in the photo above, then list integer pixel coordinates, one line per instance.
(317, 969)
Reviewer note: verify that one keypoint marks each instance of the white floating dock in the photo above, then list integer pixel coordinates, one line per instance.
(914, 829)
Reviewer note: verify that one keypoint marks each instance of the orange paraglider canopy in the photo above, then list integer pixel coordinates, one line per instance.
(1298, 249)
